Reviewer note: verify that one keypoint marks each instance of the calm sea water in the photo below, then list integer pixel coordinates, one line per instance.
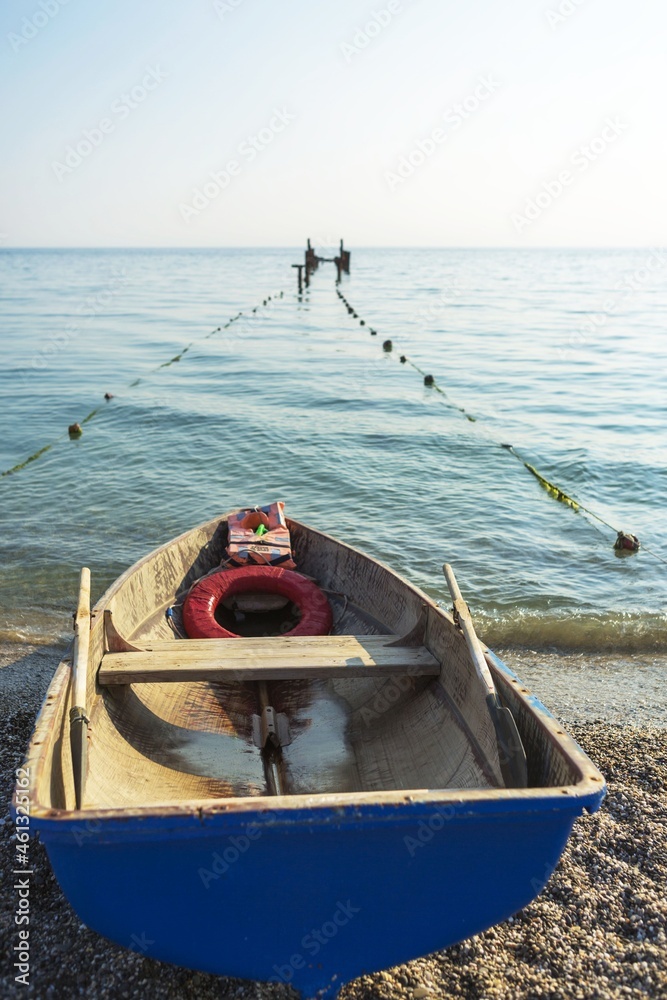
(299, 402)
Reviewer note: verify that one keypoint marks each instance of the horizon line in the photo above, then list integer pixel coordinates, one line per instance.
(361, 246)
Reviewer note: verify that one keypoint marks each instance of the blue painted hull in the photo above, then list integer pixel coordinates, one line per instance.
(310, 897)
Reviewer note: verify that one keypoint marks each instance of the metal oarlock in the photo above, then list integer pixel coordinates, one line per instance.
(270, 727)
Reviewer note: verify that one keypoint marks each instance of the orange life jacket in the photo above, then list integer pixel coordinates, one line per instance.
(271, 546)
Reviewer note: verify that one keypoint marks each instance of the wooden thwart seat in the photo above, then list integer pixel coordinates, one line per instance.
(272, 658)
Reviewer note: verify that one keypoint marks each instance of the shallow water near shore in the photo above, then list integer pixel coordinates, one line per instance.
(560, 353)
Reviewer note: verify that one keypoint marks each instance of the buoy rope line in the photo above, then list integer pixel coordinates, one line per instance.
(624, 540)
(75, 430)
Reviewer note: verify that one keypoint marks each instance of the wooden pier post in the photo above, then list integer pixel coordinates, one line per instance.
(300, 268)
(312, 262)
(344, 258)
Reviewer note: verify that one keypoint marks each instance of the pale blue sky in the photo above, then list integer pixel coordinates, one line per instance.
(347, 153)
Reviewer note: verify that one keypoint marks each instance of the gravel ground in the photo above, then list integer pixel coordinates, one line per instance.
(597, 930)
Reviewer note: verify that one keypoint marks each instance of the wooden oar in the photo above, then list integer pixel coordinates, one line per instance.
(78, 719)
(511, 753)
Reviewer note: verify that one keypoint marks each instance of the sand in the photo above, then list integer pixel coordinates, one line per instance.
(597, 930)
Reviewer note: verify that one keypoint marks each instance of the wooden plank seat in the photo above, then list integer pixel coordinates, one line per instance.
(272, 658)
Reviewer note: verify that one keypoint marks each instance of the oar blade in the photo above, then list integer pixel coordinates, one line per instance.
(511, 753)
(78, 738)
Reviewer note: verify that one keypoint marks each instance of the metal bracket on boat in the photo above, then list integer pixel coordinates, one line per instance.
(270, 727)
(116, 643)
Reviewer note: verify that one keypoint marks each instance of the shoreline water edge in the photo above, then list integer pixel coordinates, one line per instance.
(596, 930)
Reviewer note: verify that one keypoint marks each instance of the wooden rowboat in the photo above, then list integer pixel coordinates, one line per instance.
(393, 817)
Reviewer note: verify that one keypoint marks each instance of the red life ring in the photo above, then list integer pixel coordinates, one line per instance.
(203, 599)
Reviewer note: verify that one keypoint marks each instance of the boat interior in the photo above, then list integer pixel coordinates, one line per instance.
(389, 701)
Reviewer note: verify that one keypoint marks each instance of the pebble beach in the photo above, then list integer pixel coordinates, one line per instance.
(596, 931)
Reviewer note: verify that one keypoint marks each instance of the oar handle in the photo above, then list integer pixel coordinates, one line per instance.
(464, 621)
(81, 642)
